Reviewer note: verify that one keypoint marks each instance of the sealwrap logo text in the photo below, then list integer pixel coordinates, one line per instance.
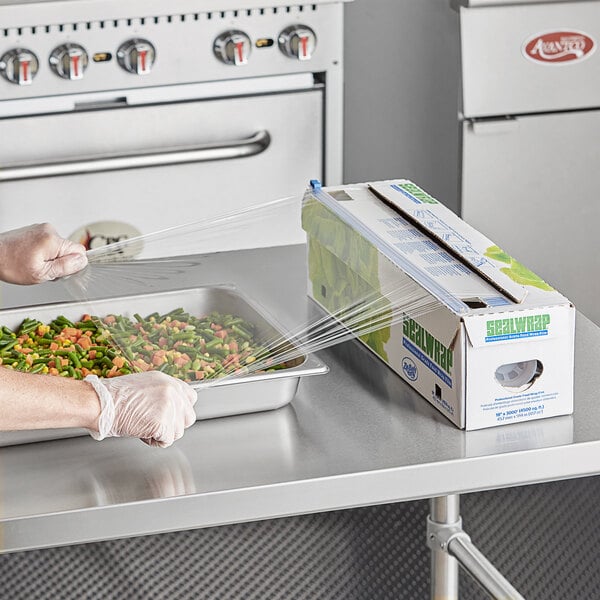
(414, 193)
(429, 350)
(517, 327)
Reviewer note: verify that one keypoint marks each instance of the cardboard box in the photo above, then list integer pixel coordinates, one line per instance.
(477, 334)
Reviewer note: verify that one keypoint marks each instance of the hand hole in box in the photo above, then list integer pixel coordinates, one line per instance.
(517, 377)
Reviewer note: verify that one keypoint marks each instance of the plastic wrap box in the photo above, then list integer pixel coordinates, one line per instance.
(496, 343)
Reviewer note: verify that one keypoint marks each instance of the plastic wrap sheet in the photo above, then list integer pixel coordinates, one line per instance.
(214, 342)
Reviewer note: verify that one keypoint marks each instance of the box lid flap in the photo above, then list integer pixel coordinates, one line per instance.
(450, 231)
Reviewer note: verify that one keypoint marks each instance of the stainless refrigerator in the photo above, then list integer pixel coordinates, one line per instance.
(494, 105)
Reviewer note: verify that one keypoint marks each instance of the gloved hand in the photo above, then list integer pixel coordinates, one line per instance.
(151, 406)
(37, 253)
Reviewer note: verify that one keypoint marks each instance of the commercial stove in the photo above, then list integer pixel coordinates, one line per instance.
(121, 118)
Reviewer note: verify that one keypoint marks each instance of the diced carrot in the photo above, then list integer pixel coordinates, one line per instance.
(87, 333)
(86, 317)
(221, 333)
(199, 375)
(85, 342)
(53, 371)
(113, 372)
(181, 361)
(158, 359)
(64, 362)
(118, 361)
(92, 354)
(110, 320)
(85, 371)
(142, 364)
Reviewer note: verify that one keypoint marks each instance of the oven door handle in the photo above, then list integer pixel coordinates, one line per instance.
(256, 144)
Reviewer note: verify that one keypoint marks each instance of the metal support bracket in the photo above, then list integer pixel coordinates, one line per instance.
(439, 535)
(451, 546)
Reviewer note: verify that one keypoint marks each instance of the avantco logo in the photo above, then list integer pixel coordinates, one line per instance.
(409, 368)
(558, 47)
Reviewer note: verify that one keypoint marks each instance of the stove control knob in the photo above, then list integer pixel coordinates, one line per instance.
(19, 66)
(233, 48)
(136, 56)
(298, 41)
(69, 61)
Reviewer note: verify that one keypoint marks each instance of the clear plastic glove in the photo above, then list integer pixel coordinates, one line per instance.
(151, 406)
(37, 253)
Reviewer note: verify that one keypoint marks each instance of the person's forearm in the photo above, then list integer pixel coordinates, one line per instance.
(43, 401)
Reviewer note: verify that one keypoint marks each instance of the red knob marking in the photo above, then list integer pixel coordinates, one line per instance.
(239, 46)
(25, 70)
(142, 54)
(304, 45)
(75, 65)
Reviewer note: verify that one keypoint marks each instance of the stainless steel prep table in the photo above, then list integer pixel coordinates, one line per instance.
(358, 436)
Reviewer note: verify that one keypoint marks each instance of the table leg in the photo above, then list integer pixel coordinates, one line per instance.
(445, 510)
(451, 546)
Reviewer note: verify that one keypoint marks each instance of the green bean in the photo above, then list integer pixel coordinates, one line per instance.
(64, 321)
(74, 359)
(8, 346)
(241, 332)
(187, 336)
(41, 361)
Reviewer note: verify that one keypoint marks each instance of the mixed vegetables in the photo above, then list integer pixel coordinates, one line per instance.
(177, 343)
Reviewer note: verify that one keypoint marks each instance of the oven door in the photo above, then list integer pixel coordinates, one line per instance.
(105, 174)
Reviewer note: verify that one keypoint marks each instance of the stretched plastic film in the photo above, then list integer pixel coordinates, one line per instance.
(207, 342)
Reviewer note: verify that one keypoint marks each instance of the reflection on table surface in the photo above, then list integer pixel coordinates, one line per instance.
(82, 473)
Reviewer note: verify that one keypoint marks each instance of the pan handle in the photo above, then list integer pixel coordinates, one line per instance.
(256, 144)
